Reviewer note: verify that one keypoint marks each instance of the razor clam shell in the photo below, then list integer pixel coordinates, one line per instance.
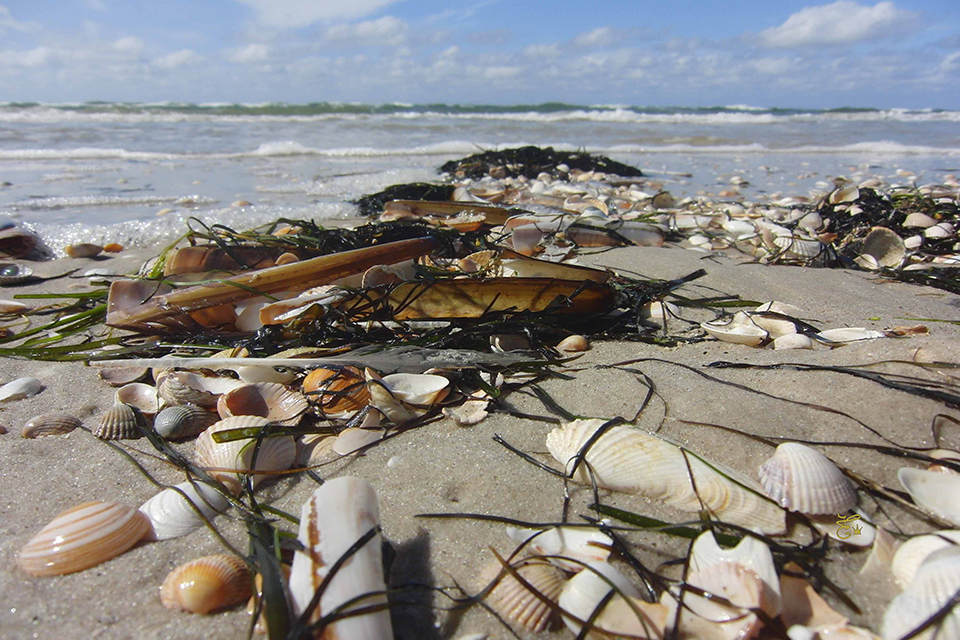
(580, 544)
(934, 491)
(936, 582)
(140, 395)
(750, 553)
(632, 461)
(171, 515)
(121, 422)
(336, 516)
(848, 334)
(513, 601)
(50, 424)
(207, 584)
(227, 461)
(270, 400)
(19, 389)
(82, 537)
(802, 479)
(911, 554)
(183, 421)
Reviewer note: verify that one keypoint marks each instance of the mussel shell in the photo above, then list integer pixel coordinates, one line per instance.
(82, 537)
(207, 584)
(50, 424)
(121, 422)
(183, 421)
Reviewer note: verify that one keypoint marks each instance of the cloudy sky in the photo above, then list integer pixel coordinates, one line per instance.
(903, 53)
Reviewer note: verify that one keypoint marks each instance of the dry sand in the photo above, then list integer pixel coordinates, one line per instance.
(445, 468)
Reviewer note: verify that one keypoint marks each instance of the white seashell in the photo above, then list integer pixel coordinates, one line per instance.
(939, 231)
(207, 584)
(471, 412)
(918, 220)
(884, 246)
(799, 247)
(580, 544)
(845, 194)
(228, 461)
(911, 554)
(354, 439)
(183, 387)
(848, 334)
(811, 221)
(657, 311)
(913, 242)
(793, 341)
(936, 492)
(513, 601)
(183, 421)
(270, 400)
(334, 519)
(590, 588)
(750, 553)
(13, 307)
(774, 325)
(710, 619)
(802, 479)
(140, 395)
(936, 583)
(403, 397)
(881, 553)
(632, 461)
(19, 389)
(50, 424)
(850, 529)
(735, 332)
(171, 515)
(121, 422)
(82, 537)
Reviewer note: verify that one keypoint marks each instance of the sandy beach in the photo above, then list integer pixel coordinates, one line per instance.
(445, 468)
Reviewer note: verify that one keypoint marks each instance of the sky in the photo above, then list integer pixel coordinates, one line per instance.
(769, 53)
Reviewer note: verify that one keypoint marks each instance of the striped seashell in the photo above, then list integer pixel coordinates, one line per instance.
(185, 387)
(570, 547)
(934, 491)
(708, 618)
(228, 461)
(140, 395)
(750, 553)
(82, 537)
(270, 400)
(911, 554)
(802, 479)
(172, 516)
(633, 461)
(936, 583)
(207, 584)
(121, 422)
(50, 424)
(939, 231)
(19, 389)
(517, 603)
(183, 421)
(338, 392)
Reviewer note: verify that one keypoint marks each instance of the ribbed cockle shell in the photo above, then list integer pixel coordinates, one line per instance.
(803, 479)
(50, 424)
(171, 516)
(513, 601)
(270, 400)
(121, 422)
(183, 421)
(228, 461)
(82, 537)
(207, 584)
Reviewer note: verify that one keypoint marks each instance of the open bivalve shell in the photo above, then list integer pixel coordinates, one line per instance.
(185, 387)
(183, 421)
(173, 512)
(803, 479)
(633, 461)
(569, 547)
(207, 584)
(911, 554)
(738, 330)
(750, 553)
(334, 519)
(402, 397)
(338, 392)
(140, 395)
(515, 602)
(935, 586)
(82, 537)
(229, 461)
(270, 400)
(934, 491)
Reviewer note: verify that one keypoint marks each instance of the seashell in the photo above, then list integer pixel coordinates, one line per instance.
(517, 603)
(333, 520)
(121, 422)
(19, 389)
(847, 334)
(632, 461)
(287, 258)
(911, 554)
(802, 605)
(338, 392)
(799, 247)
(354, 439)
(227, 461)
(707, 618)
(750, 553)
(735, 332)
(657, 311)
(936, 492)
(270, 400)
(935, 585)
(82, 250)
(767, 319)
(184, 387)
(171, 514)
(11, 273)
(802, 479)
(851, 528)
(17, 243)
(82, 537)
(623, 613)
(580, 544)
(13, 307)
(573, 343)
(183, 421)
(939, 231)
(119, 376)
(918, 220)
(207, 584)
(881, 554)
(50, 424)
(913, 242)
(844, 194)
(140, 395)
(884, 246)
(113, 247)
(471, 412)
(403, 397)
(793, 341)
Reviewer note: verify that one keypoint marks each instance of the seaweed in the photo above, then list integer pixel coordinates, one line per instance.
(531, 161)
(372, 204)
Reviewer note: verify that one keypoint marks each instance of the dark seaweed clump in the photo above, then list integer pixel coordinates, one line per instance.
(372, 204)
(532, 161)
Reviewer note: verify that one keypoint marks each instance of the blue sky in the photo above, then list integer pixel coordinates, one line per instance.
(903, 53)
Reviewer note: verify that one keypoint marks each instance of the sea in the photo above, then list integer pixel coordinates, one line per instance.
(139, 174)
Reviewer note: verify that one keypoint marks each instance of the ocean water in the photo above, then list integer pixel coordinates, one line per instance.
(134, 173)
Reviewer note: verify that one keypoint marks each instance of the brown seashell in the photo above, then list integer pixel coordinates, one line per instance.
(515, 602)
(207, 584)
(50, 424)
(16, 242)
(287, 258)
(113, 247)
(141, 395)
(121, 422)
(573, 343)
(337, 391)
(82, 537)
(270, 400)
(119, 376)
(83, 250)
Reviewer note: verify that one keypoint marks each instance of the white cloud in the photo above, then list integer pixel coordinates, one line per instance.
(130, 45)
(301, 13)
(97, 5)
(542, 50)
(596, 38)
(176, 59)
(496, 73)
(387, 30)
(771, 66)
(33, 58)
(842, 22)
(7, 22)
(252, 53)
